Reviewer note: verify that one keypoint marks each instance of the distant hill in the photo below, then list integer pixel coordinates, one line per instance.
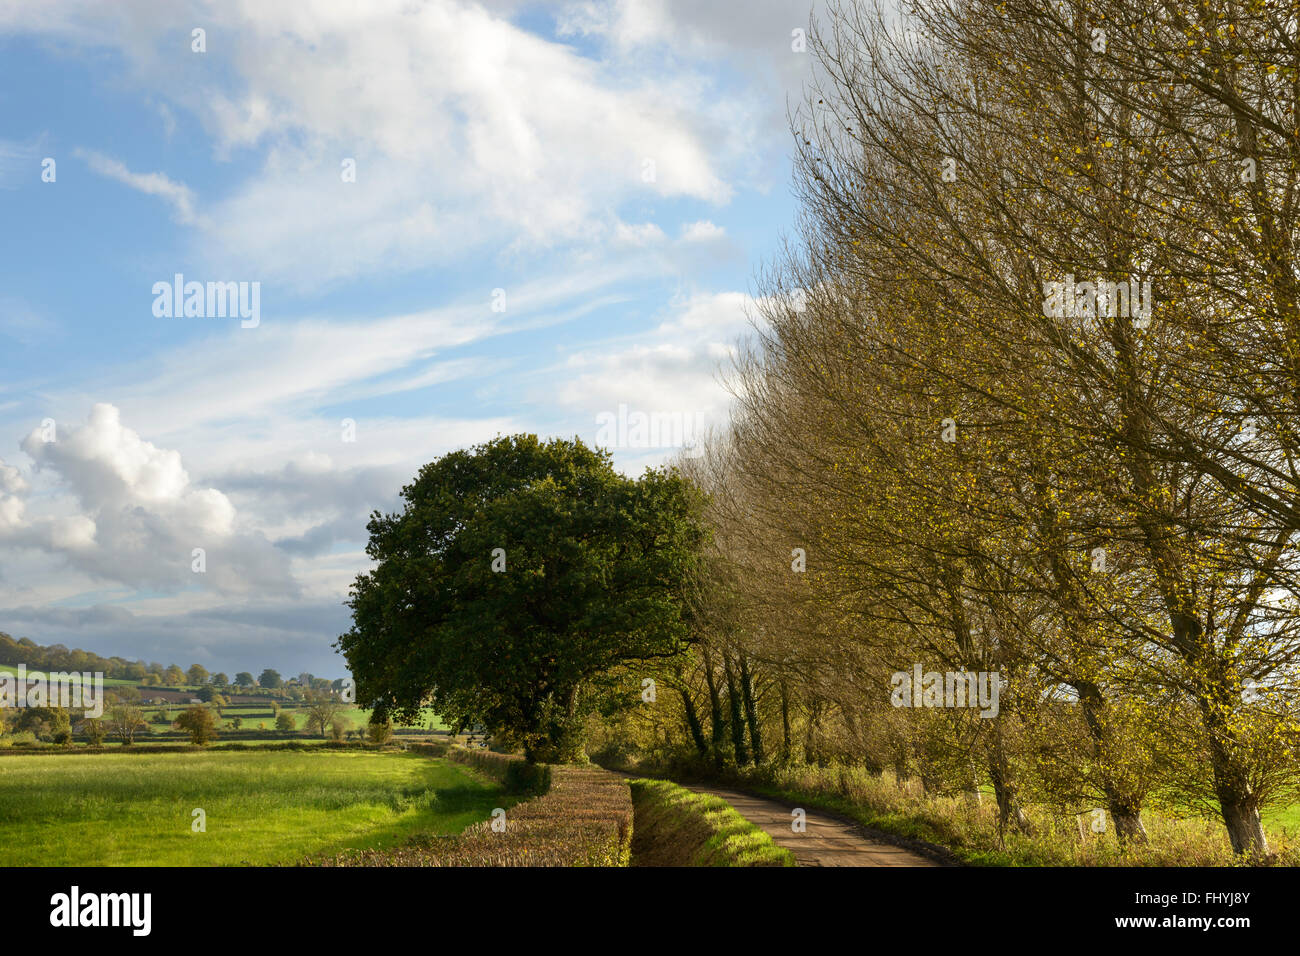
(56, 657)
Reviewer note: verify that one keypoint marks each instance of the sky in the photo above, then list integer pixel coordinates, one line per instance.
(448, 221)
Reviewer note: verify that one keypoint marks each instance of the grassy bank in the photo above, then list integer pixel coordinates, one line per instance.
(674, 826)
(971, 832)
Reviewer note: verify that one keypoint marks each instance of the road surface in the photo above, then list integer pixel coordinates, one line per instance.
(826, 840)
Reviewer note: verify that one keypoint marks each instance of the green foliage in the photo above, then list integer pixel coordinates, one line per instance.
(95, 731)
(593, 574)
(518, 776)
(379, 730)
(199, 723)
(47, 723)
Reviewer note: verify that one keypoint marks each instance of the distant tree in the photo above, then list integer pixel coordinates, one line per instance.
(305, 679)
(236, 722)
(321, 711)
(270, 678)
(206, 693)
(173, 675)
(320, 683)
(197, 674)
(284, 721)
(161, 716)
(199, 723)
(275, 708)
(339, 727)
(244, 679)
(47, 723)
(220, 681)
(126, 719)
(381, 730)
(150, 680)
(95, 731)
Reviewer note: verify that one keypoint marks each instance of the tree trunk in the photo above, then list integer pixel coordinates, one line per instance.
(785, 722)
(693, 723)
(751, 711)
(1124, 805)
(737, 722)
(814, 719)
(1237, 800)
(1005, 787)
(715, 711)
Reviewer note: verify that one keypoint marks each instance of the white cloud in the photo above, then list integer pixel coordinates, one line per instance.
(679, 370)
(644, 234)
(177, 195)
(702, 231)
(466, 130)
(137, 518)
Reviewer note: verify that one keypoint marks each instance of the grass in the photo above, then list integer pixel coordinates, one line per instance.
(261, 808)
(673, 826)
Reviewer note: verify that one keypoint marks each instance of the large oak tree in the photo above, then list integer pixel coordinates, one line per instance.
(518, 573)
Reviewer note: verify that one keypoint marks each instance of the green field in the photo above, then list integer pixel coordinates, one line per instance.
(128, 810)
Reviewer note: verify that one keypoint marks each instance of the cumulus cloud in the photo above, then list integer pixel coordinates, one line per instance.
(12, 485)
(137, 517)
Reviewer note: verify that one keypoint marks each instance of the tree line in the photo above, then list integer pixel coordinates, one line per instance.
(56, 657)
(1022, 400)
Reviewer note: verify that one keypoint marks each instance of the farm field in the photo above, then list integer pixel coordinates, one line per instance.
(128, 810)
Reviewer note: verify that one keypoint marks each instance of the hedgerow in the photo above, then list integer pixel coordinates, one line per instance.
(583, 819)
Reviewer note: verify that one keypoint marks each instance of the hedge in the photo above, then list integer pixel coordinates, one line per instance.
(584, 819)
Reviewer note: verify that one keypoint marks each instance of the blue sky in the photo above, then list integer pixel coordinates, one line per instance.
(558, 210)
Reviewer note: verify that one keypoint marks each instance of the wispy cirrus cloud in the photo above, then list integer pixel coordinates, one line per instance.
(177, 195)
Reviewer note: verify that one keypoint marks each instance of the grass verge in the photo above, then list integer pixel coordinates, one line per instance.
(971, 834)
(674, 826)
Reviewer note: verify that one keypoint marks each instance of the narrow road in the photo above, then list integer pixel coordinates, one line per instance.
(826, 841)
